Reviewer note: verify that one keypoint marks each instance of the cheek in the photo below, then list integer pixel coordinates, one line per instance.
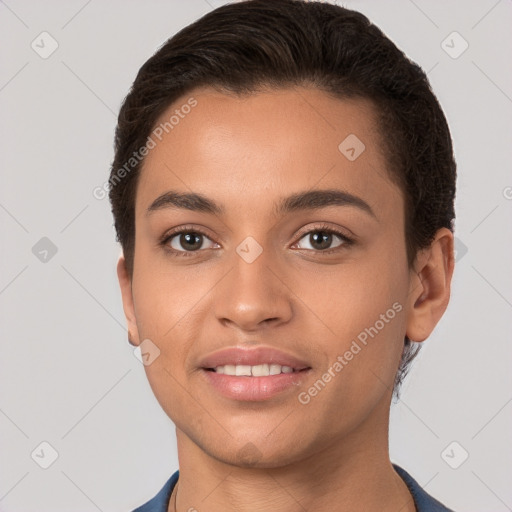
(358, 313)
(165, 304)
(164, 296)
(344, 300)
(169, 305)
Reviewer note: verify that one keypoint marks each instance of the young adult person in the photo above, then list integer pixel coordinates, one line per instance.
(283, 190)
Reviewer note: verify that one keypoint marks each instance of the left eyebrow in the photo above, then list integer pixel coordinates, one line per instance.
(307, 200)
(316, 199)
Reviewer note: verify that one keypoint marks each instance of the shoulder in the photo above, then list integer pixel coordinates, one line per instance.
(423, 501)
(160, 502)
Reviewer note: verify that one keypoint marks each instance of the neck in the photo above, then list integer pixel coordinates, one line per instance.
(351, 474)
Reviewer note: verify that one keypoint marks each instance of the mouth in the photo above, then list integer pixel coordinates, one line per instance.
(259, 370)
(257, 383)
(255, 362)
(253, 374)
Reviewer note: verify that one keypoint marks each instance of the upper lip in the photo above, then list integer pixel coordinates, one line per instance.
(252, 357)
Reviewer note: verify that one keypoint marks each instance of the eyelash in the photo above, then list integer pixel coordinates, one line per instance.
(347, 242)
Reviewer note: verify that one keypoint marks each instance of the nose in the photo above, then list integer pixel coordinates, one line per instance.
(254, 294)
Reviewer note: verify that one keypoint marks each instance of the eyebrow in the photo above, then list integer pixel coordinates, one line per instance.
(307, 200)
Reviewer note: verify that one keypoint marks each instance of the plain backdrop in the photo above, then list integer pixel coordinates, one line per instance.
(68, 376)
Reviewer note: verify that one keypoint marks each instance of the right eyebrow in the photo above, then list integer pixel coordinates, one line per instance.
(187, 201)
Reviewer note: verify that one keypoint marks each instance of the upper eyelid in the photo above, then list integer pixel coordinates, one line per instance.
(202, 231)
(325, 227)
(183, 229)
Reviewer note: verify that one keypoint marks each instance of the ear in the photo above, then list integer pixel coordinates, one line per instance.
(125, 283)
(429, 290)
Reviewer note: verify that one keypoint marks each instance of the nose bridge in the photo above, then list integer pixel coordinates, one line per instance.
(253, 291)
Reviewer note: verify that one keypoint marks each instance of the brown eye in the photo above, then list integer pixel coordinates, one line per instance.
(189, 241)
(186, 241)
(322, 239)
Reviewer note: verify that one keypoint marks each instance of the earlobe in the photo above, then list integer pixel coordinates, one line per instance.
(125, 284)
(429, 290)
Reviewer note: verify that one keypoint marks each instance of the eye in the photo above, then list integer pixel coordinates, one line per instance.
(321, 239)
(186, 240)
(183, 241)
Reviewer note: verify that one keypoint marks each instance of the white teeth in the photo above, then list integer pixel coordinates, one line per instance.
(275, 369)
(229, 369)
(259, 370)
(241, 369)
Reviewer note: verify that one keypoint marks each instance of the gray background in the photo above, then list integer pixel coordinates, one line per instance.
(67, 374)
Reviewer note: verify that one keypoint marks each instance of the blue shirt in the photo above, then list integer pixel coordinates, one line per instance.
(423, 501)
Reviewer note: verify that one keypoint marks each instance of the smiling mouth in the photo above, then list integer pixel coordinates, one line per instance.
(259, 370)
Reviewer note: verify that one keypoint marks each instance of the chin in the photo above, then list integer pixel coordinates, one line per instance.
(257, 456)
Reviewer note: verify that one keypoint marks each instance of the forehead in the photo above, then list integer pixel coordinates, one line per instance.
(247, 150)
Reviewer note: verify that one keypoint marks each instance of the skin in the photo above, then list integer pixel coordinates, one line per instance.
(246, 154)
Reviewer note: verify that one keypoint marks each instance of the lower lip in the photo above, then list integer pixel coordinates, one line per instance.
(254, 388)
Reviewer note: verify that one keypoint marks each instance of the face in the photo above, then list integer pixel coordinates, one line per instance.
(268, 259)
